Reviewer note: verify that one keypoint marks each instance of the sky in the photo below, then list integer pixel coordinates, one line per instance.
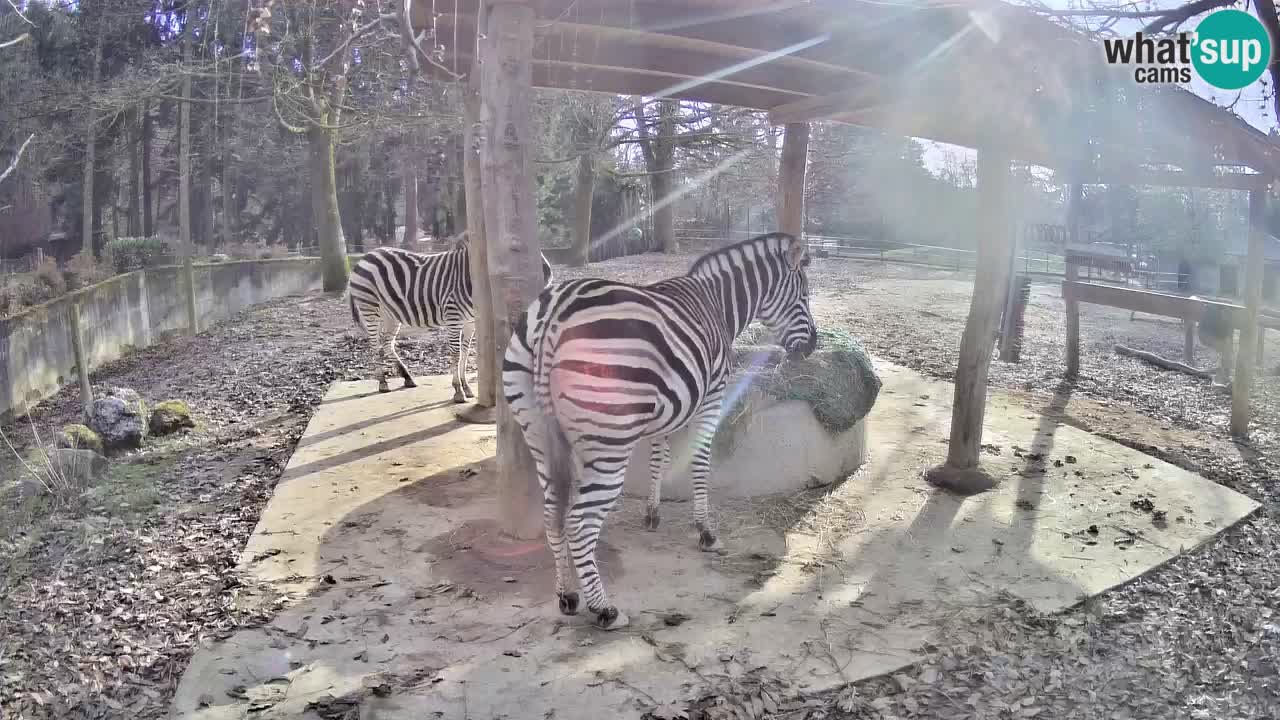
(1249, 106)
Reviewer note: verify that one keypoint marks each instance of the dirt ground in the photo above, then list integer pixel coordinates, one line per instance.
(103, 601)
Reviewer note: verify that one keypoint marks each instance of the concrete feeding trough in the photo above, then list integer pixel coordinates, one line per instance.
(788, 424)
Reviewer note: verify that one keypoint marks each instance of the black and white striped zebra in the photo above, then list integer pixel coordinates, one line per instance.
(390, 287)
(595, 366)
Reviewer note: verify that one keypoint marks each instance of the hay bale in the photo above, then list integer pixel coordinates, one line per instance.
(838, 381)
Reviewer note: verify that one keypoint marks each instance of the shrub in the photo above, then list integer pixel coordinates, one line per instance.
(50, 277)
(127, 254)
(18, 295)
(242, 251)
(84, 270)
(255, 251)
(8, 299)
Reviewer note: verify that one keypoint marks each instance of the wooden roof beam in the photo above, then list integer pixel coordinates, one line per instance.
(824, 107)
(1176, 178)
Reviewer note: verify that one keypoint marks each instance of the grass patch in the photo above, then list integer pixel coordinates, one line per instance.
(837, 381)
(131, 488)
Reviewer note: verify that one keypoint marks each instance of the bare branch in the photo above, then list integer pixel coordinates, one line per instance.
(13, 165)
(275, 106)
(351, 38)
(15, 41)
(26, 20)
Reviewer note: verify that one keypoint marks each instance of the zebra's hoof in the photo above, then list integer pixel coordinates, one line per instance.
(384, 388)
(459, 398)
(409, 383)
(466, 390)
(611, 618)
(708, 542)
(651, 518)
(569, 603)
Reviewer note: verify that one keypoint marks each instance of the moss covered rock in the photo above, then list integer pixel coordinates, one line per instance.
(170, 416)
(79, 437)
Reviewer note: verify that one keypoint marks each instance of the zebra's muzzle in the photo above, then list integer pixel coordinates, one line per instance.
(804, 348)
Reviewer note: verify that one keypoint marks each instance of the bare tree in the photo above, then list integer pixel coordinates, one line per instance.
(24, 37)
(1101, 17)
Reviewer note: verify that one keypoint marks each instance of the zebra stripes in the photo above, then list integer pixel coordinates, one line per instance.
(595, 366)
(391, 287)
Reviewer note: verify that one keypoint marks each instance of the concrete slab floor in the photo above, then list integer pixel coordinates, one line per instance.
(402, 593)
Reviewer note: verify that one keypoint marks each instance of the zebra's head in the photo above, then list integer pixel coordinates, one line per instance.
(785, 309)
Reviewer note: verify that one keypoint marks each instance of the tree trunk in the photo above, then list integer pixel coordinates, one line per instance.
(659, 159)
(429, 192)
(324, 208)
(515, 267)
(410, 200)
(390, 191)
(148, 213)
(664, 213)
(135, 200)
(460, 185)
(583, 191)
(481, 291)
(228, 211)
(88, 203)
(184, 182)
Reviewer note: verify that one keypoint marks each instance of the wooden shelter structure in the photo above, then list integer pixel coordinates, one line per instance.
(978, 73)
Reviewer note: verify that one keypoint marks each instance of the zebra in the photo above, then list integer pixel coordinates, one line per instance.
(391, 287)
(595, 366)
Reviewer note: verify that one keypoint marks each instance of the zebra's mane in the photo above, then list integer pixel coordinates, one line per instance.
(759, 243)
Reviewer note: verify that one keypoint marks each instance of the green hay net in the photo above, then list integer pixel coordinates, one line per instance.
(838, 380)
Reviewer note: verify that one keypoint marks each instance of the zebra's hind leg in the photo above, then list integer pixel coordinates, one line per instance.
(385, 340)
(460, 362)
(704, 429)
(659, 461)
(387, 348)
(598, 492)
(468, 339)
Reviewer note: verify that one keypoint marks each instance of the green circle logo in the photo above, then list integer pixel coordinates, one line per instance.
(1232, 49)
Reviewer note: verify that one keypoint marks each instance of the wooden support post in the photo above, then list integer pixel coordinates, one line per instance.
(1074, 197)
(82, 359)
(1007, 329)
(1189, 340)
(1243, 380)
(791, 170)
(515, 265)
(961, 473)
(481, 293)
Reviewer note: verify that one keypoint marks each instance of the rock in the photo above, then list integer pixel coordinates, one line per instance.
(79, 437)
(64, 470)
(118, 423)
(169, 416)
(128, 395)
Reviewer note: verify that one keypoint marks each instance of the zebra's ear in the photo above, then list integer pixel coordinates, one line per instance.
(796, 255)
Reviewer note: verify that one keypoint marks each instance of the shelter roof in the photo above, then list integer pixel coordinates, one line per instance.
(969, 72)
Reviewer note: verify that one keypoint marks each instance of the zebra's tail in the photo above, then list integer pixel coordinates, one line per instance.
(355, 313)
(559, 456)
(558, 453)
